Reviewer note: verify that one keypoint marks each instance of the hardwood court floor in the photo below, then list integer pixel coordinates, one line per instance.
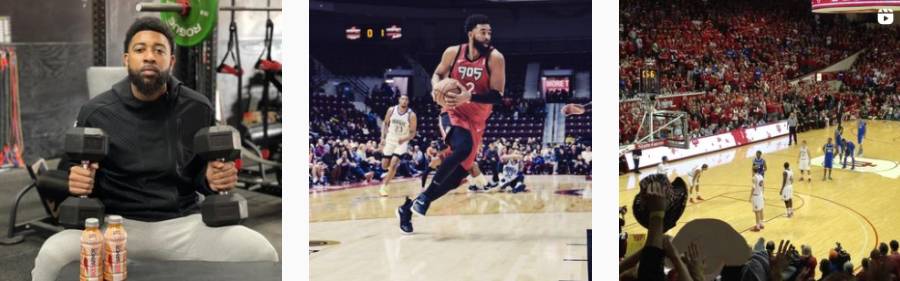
(466, 236)
(858, 208)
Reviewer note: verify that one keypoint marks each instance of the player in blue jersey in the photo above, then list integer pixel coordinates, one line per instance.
(860, 134)
(848, 152)
(829, 156)
(759, 164)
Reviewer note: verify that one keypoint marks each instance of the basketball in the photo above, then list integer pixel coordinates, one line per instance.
(442, 88)
(439, 97)
(452, 88)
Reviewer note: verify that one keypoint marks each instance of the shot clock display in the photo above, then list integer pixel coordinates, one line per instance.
(649, 77)
(373, 32)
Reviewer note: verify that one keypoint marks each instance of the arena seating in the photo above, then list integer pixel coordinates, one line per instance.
(741, 56)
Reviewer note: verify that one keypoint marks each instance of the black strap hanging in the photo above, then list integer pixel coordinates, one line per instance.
(268, 65)
(269, 68)
(265, 62)
(234, 52)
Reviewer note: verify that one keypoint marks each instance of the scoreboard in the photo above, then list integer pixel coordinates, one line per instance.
(373, 32)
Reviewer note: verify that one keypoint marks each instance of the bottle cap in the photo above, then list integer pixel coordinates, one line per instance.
(114, 219)
(91, 222)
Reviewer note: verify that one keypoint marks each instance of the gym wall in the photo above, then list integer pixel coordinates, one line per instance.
(251, 31)
(48, 21)
(119, 16)
(52, 40)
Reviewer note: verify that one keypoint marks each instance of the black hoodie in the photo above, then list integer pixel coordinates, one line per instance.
(151, 172)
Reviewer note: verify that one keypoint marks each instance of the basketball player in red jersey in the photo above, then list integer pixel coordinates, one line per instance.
(481, 71)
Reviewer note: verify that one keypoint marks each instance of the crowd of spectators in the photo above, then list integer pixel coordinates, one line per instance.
(789, 260)
(336, 161)
(701, 45)
(572, 158)
(876, 70)
(558, 96)
(345, 161)
(740, 56)
(816, 106)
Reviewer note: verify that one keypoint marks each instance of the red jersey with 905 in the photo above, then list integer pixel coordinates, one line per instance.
(475, 76)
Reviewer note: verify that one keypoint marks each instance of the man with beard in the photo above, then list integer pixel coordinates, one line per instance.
(478, 71)
(151, 175)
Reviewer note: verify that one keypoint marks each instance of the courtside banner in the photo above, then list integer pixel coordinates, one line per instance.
(666, 102)
(653, 153)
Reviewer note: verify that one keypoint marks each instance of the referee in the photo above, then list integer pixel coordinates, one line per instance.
(792, 128)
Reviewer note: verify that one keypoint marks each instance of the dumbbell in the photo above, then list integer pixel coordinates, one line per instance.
(221, 143)
(87, 145)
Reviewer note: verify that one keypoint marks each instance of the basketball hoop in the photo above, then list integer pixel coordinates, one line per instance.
(669, 126)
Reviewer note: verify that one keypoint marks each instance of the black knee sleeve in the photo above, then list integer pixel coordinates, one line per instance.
(450, 173)
(460, 141)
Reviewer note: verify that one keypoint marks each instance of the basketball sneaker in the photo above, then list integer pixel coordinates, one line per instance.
(420, 206)
(405, 216)
(383, 191)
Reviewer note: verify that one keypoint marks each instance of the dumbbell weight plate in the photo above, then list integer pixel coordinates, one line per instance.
(224, 209)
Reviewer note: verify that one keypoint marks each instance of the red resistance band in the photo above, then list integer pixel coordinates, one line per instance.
(268, 66)
(229, 69)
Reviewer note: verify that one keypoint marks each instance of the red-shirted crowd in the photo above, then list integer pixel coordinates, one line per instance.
(741, 56)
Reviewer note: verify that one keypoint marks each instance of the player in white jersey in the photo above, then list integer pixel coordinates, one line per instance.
(787, 189)
(663, 167)
(399, 128)
(804, 162)
(694, 181)
(512, 177)
(756, 199)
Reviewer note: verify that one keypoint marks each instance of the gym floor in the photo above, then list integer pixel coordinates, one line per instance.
(18, 259)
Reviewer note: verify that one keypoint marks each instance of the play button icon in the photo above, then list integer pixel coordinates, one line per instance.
(885, 16)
